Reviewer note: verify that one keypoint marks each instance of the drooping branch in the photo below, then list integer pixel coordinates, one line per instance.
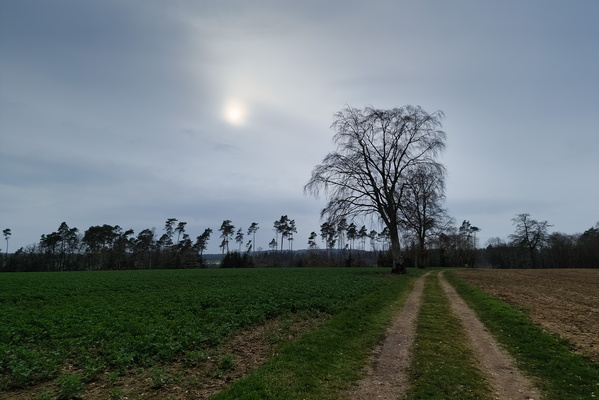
(376, 150)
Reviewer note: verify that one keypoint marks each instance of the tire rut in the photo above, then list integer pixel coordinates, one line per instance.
(387, 373)
(507, 381)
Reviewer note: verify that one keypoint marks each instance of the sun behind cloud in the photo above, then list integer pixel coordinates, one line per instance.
(235, 112)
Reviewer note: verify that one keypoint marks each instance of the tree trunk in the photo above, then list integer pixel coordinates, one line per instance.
(533, 259)
(421, 253)
(398, 265)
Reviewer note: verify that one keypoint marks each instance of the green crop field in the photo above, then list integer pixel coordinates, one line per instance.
(94, 322)
(189, 334)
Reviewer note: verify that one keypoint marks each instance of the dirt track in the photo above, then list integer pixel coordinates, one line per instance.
(508, 382)
(387, 375)
(562, 301)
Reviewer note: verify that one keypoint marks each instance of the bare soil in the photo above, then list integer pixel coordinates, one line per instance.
(507, 381)
(236, 357)
(564, 302)
(387, 371)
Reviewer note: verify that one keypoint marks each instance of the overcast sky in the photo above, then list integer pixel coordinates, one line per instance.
(131, 112)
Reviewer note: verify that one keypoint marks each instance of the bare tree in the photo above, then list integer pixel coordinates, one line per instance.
(376, 150)
(530, 234)
(422, 209)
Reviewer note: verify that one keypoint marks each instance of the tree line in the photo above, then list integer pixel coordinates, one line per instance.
(111, 247)
(533, 246)
(336, 243)
(103, 247)
(385, 169)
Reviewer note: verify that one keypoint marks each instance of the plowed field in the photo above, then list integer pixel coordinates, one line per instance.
(562, 301)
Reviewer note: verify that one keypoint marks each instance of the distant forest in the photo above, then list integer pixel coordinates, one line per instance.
(109, 247)
(385, 167)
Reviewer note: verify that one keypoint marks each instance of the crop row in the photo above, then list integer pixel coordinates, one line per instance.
(94, 321)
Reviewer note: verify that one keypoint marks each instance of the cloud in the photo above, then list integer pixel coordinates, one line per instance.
(111, 112)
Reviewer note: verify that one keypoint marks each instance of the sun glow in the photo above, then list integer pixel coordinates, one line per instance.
(235, 112)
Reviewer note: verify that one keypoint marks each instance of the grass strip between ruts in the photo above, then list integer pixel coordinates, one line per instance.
(443, 364)
(561, 374)
(324, 363)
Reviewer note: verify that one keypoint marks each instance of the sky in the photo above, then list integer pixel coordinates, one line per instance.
(131, 112)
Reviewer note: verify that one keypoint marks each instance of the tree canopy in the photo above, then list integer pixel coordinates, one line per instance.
(376, 152)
